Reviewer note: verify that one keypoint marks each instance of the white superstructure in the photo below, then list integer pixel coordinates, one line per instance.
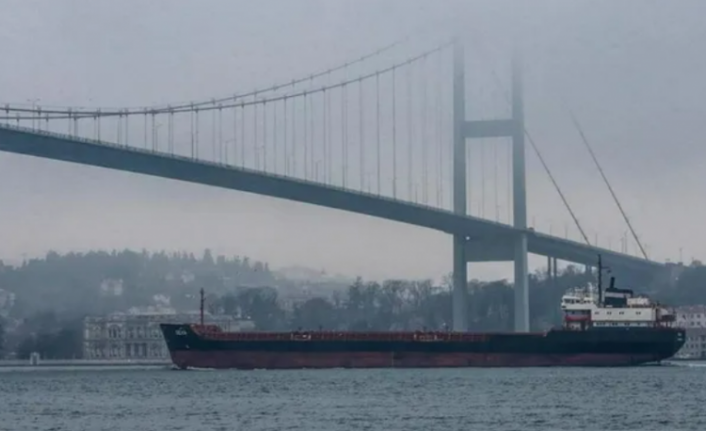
(589, 307)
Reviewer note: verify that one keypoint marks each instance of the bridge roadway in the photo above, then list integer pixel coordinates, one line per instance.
(487, 239)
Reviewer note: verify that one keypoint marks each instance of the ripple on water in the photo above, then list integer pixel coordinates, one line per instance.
(644, 399)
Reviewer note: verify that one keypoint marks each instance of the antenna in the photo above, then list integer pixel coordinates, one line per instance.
(201, 306)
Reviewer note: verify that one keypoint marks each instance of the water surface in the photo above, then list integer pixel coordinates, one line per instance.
(140, 399)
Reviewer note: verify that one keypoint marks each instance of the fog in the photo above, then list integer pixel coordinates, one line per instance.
(631, 71)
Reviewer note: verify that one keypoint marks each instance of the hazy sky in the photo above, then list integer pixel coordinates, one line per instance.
(631, 70)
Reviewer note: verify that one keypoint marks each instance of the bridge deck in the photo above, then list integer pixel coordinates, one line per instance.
(67, 148)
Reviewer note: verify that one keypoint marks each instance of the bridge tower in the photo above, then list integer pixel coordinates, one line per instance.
(486, 249)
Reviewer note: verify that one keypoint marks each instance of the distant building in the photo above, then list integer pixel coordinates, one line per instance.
(136, 334)
(7, 301)
(693, 319)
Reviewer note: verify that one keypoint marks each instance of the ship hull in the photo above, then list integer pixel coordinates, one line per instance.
(614, 347)
(271, 360)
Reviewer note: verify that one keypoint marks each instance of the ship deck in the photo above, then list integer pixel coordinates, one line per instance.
(215, 333)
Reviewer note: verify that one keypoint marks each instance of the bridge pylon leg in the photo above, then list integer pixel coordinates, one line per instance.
(521, 285)
(519, 204)
(460, 280)
(460, 264)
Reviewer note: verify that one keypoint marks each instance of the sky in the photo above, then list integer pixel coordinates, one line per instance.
(631, 71)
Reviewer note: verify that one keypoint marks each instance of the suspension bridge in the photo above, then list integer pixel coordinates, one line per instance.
(391, 141)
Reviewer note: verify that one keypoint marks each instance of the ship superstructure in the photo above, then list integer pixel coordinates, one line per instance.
(589, 308)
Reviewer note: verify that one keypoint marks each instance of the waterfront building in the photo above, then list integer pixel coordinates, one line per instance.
(693, 319)
(136, 335)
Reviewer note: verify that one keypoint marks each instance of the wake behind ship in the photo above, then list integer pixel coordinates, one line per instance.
(619, 330)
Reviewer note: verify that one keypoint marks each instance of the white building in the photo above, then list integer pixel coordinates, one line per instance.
(693, 319)
(136, 334)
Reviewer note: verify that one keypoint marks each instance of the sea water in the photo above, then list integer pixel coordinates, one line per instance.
(646, 398)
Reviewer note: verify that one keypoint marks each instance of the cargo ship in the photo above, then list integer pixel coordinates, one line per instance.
(611, 328)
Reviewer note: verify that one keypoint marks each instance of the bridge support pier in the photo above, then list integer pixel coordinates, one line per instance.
(513, 248)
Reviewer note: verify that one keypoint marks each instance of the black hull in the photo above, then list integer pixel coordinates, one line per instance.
(595, 347)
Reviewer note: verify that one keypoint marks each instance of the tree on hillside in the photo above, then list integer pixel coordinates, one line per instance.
(76, 282)
(62, 287)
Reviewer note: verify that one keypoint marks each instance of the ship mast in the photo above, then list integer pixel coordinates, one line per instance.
(600, 281)
(201, 306)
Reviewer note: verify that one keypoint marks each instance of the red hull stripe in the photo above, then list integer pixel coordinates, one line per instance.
(294, 360)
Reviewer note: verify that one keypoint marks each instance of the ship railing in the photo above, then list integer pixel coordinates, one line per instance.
(206, 329)
(426, 337)
(346, 336)
(577, 317)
